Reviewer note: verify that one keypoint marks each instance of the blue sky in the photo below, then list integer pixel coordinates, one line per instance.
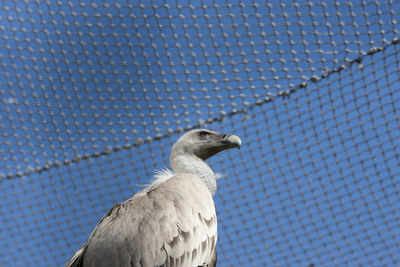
(316, 179)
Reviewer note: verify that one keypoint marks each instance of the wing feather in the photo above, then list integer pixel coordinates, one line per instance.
(172, 224)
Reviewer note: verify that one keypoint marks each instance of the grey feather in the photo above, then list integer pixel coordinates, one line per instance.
(172, 223)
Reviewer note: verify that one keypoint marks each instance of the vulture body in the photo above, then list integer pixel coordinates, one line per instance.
(170, 223)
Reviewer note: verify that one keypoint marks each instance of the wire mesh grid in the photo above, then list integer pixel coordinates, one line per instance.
(94, 94)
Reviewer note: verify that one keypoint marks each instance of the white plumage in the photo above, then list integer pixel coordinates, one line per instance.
(170, 223)
(161, 176)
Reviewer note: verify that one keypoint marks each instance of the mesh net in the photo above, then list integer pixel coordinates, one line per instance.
(93, 95)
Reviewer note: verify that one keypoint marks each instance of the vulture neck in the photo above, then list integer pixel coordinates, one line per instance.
(190, 163)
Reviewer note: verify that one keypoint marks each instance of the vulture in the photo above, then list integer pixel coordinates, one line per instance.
(172, 222)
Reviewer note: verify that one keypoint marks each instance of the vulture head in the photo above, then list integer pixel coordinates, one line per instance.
(204, 143)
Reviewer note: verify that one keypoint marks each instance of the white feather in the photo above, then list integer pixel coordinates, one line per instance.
(219, 175)
(160, 176)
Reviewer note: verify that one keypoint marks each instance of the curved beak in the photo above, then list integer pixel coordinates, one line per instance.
(231, 141)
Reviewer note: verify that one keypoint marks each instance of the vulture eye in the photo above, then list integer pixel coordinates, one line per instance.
(203, 134)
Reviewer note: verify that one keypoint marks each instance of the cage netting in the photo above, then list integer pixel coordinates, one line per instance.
(94, 93)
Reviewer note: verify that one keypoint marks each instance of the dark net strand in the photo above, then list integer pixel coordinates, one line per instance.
(93, 95)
